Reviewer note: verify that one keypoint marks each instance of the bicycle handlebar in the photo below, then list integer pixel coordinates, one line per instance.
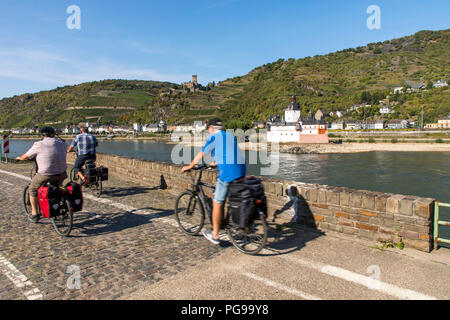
(202, 167)
(198, 167)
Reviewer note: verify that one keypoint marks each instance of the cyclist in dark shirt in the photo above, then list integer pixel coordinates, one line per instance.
(87, 144)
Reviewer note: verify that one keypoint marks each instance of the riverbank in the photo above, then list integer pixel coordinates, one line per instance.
(346, 147)
(362, 147)
(295, 148)
(165, 138)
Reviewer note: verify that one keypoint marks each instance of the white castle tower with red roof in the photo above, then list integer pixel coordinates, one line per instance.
(294, 129)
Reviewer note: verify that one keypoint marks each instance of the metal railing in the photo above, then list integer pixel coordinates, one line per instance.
(438, 223)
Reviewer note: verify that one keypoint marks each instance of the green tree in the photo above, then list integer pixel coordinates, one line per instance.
(365, 97)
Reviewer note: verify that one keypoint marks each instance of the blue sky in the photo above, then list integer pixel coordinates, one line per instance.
(171, 40)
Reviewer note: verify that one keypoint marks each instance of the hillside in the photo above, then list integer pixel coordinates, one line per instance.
(108, 99)
(334, 81)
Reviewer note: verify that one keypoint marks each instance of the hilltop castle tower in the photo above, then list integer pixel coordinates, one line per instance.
(192, 85)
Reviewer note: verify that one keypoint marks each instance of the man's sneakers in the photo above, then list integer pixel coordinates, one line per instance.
(34, 218)
(209, 235)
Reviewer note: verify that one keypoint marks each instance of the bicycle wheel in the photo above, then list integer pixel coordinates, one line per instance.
(96, 188)
(64, 221)
(250, 240)
(189, 213)
(73, 176)
(27, 203)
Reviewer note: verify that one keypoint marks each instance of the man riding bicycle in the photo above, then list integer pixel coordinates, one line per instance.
(228, 158)
(87, 144)
(50, 155)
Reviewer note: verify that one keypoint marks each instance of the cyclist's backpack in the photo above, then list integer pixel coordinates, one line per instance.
(76, 198)
(245, 197)
(102, 173)
(49, 201)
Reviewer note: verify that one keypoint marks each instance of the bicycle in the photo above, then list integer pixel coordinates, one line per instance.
(62, 222)
(190, 215)
(93, 184)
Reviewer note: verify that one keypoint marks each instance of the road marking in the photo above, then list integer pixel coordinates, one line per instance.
(16, 175)
(365, 281)
(19, 279)
(2, 181)
(273, 284)
(11, 272)
(280, 286)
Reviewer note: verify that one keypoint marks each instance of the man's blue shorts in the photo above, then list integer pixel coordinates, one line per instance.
(220, 195)
(79, 162)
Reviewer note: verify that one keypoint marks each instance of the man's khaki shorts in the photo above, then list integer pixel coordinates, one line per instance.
(39, 180)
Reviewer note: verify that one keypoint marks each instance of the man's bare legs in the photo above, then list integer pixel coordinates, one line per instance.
(217, 217)
(34, 205)
(80, 174)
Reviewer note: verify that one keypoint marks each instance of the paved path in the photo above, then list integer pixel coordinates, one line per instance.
(115, 248)
(127, 246)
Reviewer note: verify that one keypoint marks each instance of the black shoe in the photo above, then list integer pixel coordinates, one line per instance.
(35, 218)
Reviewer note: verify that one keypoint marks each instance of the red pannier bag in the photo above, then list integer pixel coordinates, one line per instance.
(76, 198)
(49, 201)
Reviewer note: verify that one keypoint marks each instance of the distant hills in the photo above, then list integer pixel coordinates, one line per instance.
(106, 100)
(334, 82)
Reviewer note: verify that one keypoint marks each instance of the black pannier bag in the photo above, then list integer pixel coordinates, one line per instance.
(102, 173)
(90, 173)
(76, 194)
(245, 196)
(89, 164)
(54, 200)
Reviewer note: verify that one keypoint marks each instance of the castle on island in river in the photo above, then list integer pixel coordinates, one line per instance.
(294, 129)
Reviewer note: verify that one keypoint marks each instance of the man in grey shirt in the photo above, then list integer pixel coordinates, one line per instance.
(50, 154)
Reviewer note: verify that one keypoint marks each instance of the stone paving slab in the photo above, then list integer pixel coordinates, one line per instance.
(115, 250)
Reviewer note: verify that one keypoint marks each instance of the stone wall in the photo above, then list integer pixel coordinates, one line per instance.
(362, 214)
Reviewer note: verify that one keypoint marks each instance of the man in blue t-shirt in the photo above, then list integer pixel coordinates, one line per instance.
(231, 164)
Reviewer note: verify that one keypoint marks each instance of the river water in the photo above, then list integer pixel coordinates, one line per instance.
(423, 174)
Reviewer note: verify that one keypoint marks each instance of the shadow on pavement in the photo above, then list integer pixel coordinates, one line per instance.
(282, 238)
(294, 235)
(123, 192)
(92, 224)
